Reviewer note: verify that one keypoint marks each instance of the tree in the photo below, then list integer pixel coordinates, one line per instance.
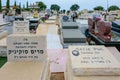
(27, 4)
(113, 8)
(41, 5)
(99, 8)
(8, 4)
(74, 7)
(20, 5)
(23, 6)
(15, 3)
(0, 5)
(64, 11)
(55, 7)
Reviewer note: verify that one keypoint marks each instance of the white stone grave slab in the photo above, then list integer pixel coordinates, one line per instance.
(26, 47)
(27, 70)
(93, 60)
(21, 27)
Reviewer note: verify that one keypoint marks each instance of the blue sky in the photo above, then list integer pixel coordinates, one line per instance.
(65, 4)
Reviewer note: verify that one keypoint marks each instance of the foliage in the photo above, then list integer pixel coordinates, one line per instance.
(8, 4)
(74, 7)
(25, 9)
(55, 7)
(3, 60)
(0, 5)
(64, 11)
(15, 4)
(44, 18)
(99, 8)
(90, 11)
(68, 12)
(27, 4)
(23, 6)
(113, 8)
(20, 5)
(41, 5)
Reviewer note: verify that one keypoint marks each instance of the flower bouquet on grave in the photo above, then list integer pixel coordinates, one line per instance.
(35, 15)
(44, 18)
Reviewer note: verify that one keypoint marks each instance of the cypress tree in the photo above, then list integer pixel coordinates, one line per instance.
(27, 4)
(0, 5)
(15, 4)
(8, 4)
(20, 5)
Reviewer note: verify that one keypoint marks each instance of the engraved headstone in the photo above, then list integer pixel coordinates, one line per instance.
(26, 47)
(21, 27)
(93, 60)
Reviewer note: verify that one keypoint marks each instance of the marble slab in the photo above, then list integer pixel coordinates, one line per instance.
(30, 70)
(70, 76)
(93, 60)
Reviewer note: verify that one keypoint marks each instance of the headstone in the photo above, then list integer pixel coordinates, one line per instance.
(26, 47)
(21, 27)
(93, 60)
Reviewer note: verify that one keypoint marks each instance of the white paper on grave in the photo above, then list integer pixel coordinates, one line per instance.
(21, 27)
(26, 47)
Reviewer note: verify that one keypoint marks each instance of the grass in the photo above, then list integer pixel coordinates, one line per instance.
(3, 60)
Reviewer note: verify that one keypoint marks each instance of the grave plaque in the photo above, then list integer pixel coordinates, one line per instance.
(93, 60)
(21, 27)
(26, 47)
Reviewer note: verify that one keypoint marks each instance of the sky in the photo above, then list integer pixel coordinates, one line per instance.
(65, 4)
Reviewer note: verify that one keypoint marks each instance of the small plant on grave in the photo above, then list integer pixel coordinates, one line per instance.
(44, 18)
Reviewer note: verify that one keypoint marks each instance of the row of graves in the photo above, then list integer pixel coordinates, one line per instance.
(28, 25)
(70, 32)
(103, 33)
(34, 18)
(26, 53)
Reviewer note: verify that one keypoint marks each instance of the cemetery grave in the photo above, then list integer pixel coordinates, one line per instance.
(100, 32)
(71, 33)
(84, 65)
(28, 54)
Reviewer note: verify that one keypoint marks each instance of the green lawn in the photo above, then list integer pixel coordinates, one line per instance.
(3, 60)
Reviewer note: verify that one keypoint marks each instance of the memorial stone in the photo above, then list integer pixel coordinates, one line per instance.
(93, 60)
(26, 47)
(70, 76)
(21, 27)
